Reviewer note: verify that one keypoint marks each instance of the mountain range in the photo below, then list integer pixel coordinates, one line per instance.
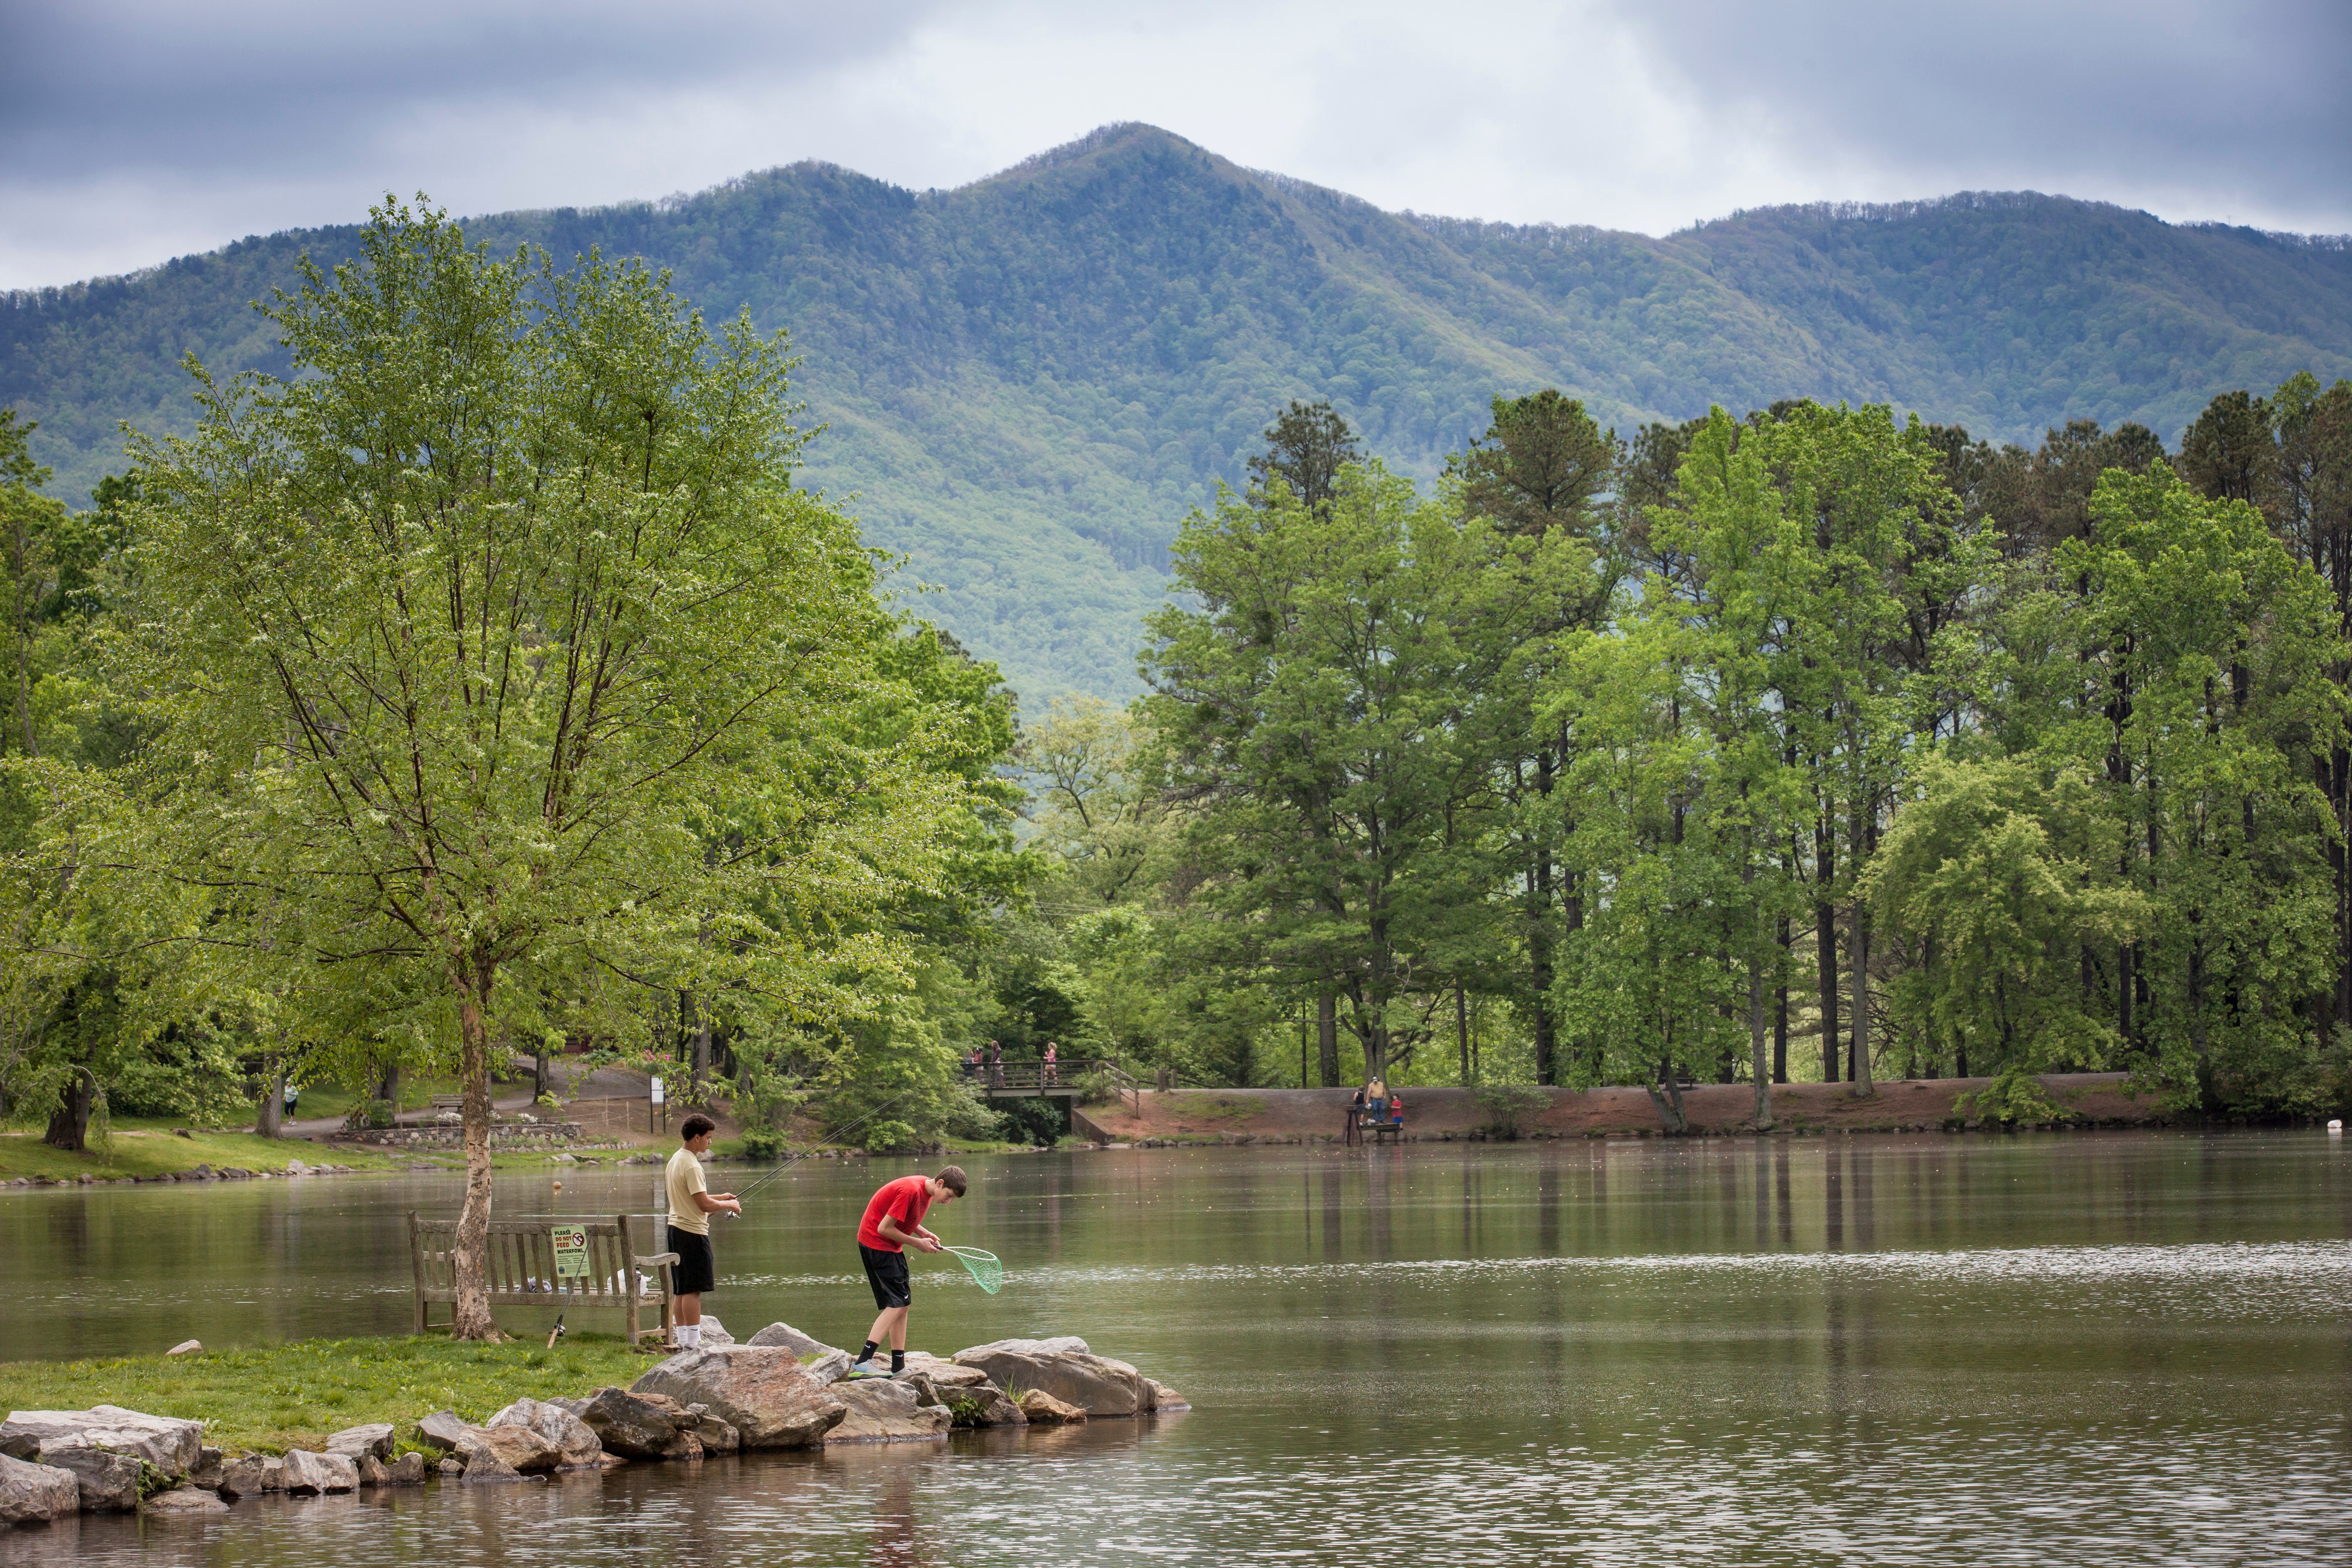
(1025, 382)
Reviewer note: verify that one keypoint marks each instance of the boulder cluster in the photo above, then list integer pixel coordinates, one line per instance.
(780, 1390)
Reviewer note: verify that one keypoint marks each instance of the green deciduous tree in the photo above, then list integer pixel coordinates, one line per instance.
(502, 672)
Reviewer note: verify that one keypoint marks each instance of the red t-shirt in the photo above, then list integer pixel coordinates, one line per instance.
(906, 1200)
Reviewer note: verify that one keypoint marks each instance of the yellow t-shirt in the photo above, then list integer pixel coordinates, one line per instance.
(683, 1177)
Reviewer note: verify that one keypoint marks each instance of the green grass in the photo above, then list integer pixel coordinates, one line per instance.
(292, 1396)
(158, 1151)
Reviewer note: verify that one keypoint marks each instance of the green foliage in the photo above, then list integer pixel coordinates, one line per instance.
(764, 1142)
(1508, 1106)
(1030, 380)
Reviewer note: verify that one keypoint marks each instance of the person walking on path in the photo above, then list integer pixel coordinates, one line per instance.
(691, 1204)
(894, 1220)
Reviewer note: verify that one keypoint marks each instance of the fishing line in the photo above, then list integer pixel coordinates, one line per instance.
(790, 1159)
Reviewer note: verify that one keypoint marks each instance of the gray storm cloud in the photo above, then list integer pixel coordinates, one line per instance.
(136, 130)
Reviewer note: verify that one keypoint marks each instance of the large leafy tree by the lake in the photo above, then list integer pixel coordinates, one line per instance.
(1317, 704)
(502, 662)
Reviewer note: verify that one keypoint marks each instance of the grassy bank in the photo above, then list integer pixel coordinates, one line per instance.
(292, 1396)
(160, 1151)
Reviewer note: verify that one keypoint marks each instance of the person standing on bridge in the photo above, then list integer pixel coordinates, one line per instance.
(1053, 1067)
(893, 1219)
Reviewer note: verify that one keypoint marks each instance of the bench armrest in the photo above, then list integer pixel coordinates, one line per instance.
(643, 1258)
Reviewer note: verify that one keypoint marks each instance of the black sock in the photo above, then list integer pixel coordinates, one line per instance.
(867, 1353)
(897, 1361)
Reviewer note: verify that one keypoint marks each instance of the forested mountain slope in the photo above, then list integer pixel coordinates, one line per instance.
(1029, 380)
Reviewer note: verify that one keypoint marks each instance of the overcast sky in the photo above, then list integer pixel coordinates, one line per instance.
(132, 130)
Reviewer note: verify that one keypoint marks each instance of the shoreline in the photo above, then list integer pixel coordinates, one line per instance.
(187, 1433)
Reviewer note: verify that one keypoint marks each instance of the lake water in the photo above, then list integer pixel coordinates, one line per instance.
(2057, 1349)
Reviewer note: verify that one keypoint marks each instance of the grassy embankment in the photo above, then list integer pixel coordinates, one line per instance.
(160, 1151)
(292, 1396)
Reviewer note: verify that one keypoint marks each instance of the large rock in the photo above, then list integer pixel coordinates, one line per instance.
(1164, 1397)
(1044, 1410)
(981, 1404)
(714, 1333)
(638, 1428)
(211, 1465)
(761, 1391)
(109, 1482)
(483, 1465)
(828, 1369)
(442, 1430)
(374, 1439)
(170, 1444)
(884, 1410)
(307, 1472)
(517, 1447)
(788, 1338)
(717, 1436)
(1066, 1369)
(186, 1499)
(241, 1476)
(30, 1493)
(573, 1439)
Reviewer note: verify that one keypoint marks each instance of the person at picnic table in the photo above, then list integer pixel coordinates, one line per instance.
(893, 1219)
(1052, 1064)
(691, 1204)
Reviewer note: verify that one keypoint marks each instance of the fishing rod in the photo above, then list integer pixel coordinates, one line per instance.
(790, 1159)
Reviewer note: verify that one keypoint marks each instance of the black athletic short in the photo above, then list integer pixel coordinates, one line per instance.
(695, 1271)
(886, 1272)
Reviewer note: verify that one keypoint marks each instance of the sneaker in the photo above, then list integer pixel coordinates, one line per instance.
(859, 1369)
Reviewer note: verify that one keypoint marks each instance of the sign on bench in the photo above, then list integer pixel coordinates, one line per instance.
(570, 1265)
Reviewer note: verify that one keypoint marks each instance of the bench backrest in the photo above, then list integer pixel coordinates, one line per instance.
(519, 1259)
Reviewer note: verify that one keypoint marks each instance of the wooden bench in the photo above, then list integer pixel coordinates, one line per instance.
(446, 1103)
(518, 1264)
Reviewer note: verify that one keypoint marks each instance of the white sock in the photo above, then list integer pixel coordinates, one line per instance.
(690, 1336)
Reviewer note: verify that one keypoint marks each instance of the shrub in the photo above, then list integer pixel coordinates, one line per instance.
(1507, 1105)
(891, 1138)
(763, 1143)
(380, 1113)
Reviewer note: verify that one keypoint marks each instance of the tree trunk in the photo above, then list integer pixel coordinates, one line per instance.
(1461, 1031)
(1539, 938)
(1780, 1006)
(1858, 1070)
(271, 1121)
(69, 1123)
(471, 1319)
(701, 1017)
(1326, 1040)
(1825, 952)
(1761, 1067)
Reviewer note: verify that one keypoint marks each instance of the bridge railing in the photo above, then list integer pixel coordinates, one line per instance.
(1033, 1074)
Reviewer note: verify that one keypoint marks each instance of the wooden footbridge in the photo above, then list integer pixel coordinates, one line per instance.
(1035, 1079)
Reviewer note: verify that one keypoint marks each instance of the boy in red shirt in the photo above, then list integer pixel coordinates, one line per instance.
(894, 1217)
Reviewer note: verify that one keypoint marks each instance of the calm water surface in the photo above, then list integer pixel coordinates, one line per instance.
(2080, 1349)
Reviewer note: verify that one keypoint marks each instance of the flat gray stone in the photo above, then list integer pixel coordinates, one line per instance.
(442, 1430)
(307, 1472)
(185, 1500)
(374, 1439)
